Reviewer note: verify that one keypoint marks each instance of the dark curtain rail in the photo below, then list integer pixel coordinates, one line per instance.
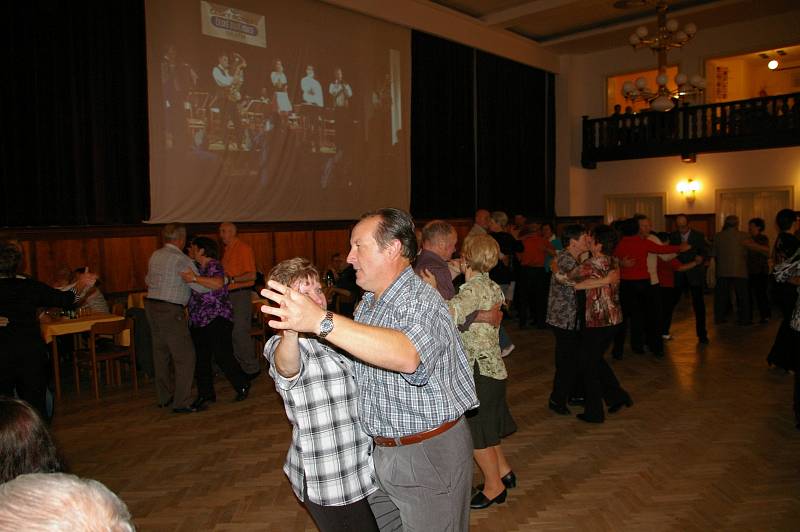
(757, 123)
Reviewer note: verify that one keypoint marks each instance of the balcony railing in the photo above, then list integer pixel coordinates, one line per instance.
(769, 122)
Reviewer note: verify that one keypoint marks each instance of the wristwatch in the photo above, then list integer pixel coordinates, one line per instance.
(326, 325)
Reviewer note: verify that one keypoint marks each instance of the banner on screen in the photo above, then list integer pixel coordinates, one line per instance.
(234, 24)
(308, 124)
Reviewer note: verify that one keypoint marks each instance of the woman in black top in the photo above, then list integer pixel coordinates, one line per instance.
(23, 354)
(782, 353)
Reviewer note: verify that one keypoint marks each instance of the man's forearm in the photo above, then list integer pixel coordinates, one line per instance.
(382, 347)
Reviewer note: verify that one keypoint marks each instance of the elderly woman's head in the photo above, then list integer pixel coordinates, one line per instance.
(498, 221)
(480, 252)
(10, 258)
(25, 443)
(301, 275)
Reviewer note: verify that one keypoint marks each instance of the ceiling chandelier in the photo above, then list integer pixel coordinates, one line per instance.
(669, 35)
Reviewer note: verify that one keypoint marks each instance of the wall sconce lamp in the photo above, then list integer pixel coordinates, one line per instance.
(688, 189)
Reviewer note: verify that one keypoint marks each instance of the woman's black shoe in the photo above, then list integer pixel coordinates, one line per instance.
(583, 417)
(617, 406)
(509, 481)
(201, 400)
(480, 501)
(561, 410)
(241, 393)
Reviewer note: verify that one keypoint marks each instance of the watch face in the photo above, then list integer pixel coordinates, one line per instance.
(326, 326)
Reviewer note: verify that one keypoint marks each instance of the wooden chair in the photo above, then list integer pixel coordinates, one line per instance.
(118, 309)
(107, 354)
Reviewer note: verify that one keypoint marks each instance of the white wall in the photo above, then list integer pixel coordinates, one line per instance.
(581, 90)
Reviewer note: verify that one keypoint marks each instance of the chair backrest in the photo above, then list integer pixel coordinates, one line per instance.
(112, 327)
(118, 309)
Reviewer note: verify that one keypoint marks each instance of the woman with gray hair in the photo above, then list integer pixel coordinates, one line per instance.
(58, 502)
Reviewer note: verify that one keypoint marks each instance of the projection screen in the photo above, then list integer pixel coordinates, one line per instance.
(275, 111)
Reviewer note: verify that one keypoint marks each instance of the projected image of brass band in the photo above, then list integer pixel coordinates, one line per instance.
(260, 106)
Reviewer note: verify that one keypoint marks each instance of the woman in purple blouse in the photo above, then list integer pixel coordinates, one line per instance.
(211, 321)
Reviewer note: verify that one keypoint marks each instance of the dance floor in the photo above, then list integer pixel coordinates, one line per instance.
(709, 444)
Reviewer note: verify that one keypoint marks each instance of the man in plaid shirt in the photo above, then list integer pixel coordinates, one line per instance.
(411, 368)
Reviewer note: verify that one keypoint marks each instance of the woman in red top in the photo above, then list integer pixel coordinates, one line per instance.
(632, 250)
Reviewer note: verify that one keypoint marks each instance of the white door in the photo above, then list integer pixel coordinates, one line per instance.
(748, 203)
(621, 206)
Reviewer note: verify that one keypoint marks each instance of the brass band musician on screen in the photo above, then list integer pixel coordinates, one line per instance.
(229, 81)
(280, 86)
(313, 100)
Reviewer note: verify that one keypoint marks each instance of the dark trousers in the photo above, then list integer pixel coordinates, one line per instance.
(641, 309)
(25, 369)
(171, 341)
(698, 306)
(599, 379)
(783, 353)
(669, 298)
(345, 518)
(213, 343)
(568, 345)
(759, 284)
(531, 295)
(722, 299)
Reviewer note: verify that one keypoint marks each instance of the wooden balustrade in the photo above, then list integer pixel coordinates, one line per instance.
(758, 123)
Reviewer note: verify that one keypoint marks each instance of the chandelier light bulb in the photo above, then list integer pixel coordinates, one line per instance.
(641, 31)
(772, 65)
(681, 36)
(690, 29)
(662, 79)
(662, 103)
(672, 24)
(634, 39)
(698, 81)
(641, 83)
(681, 79)
(628, 87)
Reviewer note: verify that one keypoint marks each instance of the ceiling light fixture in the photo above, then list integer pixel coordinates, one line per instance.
(667, 36)
(773, 64)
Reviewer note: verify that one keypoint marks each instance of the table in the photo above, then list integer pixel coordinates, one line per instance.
(73, 326)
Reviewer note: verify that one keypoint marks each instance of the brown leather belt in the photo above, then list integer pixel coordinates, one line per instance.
(414, 438)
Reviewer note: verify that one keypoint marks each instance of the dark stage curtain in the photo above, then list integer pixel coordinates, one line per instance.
(516, 136)
(482, 133)
(442, 132)
(75, 114)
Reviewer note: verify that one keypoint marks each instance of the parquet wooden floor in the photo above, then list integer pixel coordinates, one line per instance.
(710, 444)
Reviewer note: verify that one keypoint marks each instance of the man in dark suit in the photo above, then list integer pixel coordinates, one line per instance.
(695, 278)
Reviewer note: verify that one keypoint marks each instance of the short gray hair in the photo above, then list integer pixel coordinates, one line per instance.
(436, 230)
(500, 218)
(58, 502)
(174, 232)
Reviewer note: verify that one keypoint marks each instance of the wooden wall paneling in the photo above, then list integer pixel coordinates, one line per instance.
(28, 266)
(263, 249)
(328, 242)
(74, 253)
(290, 244)
(126, 261)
